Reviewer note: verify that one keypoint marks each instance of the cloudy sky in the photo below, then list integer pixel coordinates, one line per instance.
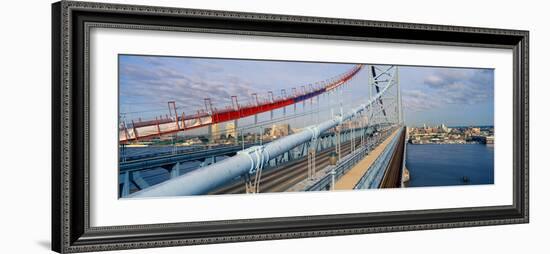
(452, 96)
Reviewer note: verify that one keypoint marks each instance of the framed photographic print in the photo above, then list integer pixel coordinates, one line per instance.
(181, 126)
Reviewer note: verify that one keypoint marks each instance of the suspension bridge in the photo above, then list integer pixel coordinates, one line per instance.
(354, 144)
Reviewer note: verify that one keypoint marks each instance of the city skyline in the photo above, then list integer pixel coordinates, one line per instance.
(431, 95)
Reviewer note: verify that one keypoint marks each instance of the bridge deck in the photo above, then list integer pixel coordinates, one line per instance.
(350, 179)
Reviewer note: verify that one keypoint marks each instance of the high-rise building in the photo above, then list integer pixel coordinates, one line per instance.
(230, 130)
(280, 130)
(444, 128)
(214, 133)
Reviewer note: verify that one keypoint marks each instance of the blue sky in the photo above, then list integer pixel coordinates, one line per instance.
(431, 95)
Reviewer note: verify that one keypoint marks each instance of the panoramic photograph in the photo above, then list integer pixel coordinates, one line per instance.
(211, 126)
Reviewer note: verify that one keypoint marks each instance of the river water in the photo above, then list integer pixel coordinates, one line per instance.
(450, 164)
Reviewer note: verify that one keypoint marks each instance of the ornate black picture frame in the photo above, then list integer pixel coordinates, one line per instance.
(71, 230)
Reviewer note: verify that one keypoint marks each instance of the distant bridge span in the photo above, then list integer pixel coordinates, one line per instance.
(177, 123)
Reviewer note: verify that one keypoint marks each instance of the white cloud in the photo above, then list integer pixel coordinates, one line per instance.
(161, 82)
(451, 86)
